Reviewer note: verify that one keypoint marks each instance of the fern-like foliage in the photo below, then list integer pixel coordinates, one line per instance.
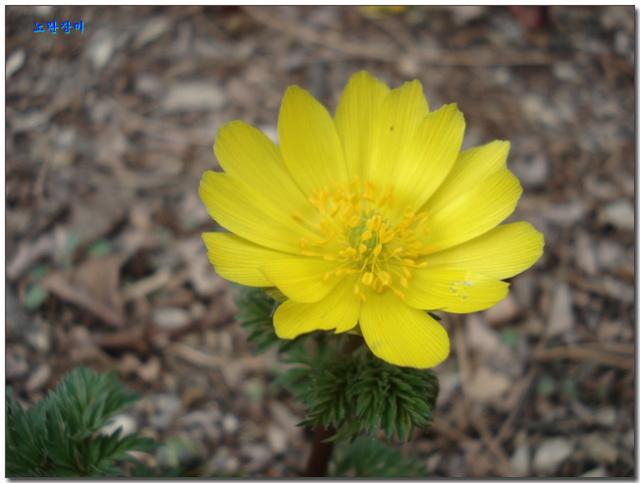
(359, 393)
(355, 392)
(257, 307)
(256, 310)
(368, 458)
(58, 436)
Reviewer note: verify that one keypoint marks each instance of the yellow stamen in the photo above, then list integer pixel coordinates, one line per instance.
(387, 237)
(367, 279)
(384, 278)
(357, 235)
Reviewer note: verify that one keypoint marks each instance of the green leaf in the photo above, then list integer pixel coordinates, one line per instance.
(57, 437)
(34, 297)
(39, 271)
(100, 248)
(360, 393)
(367, 458)
(255, 316)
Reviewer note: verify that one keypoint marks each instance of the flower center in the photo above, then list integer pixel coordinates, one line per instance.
(356, 232)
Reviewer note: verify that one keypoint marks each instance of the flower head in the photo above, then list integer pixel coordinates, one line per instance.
(368, 220)
(378, 11)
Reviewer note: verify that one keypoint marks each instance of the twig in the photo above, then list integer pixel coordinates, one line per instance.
(598, 355)
(208, 361)
(605, 286)
(328, 38)
(38, 187)
(525, 384)
(449, 431)
(396, 30)
(386, 52)
(132, 338)
(520, 392)
(166, 131)
(618, 347)
(494, 447)
(28, 254)
(147, 285)
(221, 386)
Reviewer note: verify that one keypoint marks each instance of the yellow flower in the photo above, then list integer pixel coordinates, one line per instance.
(379, 11)
(368, 220)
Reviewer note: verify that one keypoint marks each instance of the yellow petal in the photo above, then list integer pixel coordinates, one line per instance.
(250, 215)
(471, 167)
(400, 334)
(301, 279)
(339, 310)
(456, 291)
(248, 155)
(429, 156)
(393, 128)
(500, 253)
(237, 259)
(474, 212)
(358, 106)
(309, 142)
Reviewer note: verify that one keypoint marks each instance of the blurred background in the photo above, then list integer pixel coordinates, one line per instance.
(109, 128)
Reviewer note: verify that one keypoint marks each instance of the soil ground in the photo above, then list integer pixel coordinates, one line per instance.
(109, 130)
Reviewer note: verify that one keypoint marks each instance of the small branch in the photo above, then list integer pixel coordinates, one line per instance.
(452, 433)
(598, 354)
(388, 53)
(519, 397)
(28, 254)
(494, 447)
